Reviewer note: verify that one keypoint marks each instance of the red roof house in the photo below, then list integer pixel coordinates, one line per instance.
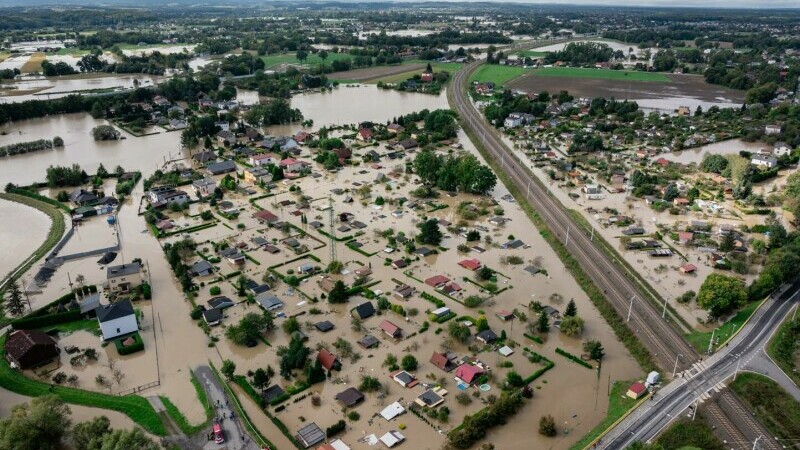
(265, 216)
(470, 264)
(328, 360)
(391, 330)
(468, 373)
(426, 77)
(637, 390)
(441, 361)
(365, 134)
(437, 281)
(688, 268)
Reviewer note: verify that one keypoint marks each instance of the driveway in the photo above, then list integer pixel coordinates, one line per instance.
(235, 436)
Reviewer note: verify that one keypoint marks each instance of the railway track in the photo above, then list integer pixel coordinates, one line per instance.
(666, 344)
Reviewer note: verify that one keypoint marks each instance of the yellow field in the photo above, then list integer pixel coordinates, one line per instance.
(34, 64)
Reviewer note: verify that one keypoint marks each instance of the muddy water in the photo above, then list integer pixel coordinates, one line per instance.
(18, 220)
(614, 45)
(731, 147)
(348, 105)
(52, 87)
(143, 153)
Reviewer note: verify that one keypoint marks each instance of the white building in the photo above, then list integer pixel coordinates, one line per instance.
(781, 149)
(124, 277)
(117, 319)
(764, 161)
(223, 126)
(772, 129)
(166, 195)
(262, 159)
(204, 187)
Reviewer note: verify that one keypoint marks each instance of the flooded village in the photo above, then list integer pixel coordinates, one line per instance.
(303, 245)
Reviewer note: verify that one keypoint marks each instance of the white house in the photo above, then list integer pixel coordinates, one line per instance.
(124, 277)
(764, 161)
(772, 129)
(204, 187)
(513, 120)
(593, 192)
(166, 195)
(223, 126)
(117, 319)
(262, 159)
(781, 149)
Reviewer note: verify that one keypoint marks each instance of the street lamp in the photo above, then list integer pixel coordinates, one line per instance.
(675, 368)
(711, 342)
(630, 309)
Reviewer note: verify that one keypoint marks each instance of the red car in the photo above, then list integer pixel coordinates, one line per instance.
(219, 435)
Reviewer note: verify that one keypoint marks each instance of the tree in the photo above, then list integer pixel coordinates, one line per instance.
(228, 369)
(323, 55)
(713, 163)
(572, 309)
(473, 235)
(14, 303)
(458, 331)
(720, 294)
(547, 426)
(595, 349)
(301, 55)
(97, 110)
(572, 326)
(727, 242)
(262, 378)
(409, 363)
(514, 380)
(543, 323)
(290, 325)
(134, 439)
(430, 233)
(38, 425)
(89, 435)
(390, 362)
(250, 328)
(58, 142)
(481, 324)
(293, 357)
(339, 293)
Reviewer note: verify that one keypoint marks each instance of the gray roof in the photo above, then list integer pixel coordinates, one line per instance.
(122, 270)
(269, 301)
(324, 326)
(220, 302)
(310, 435)
(430, 398)
(113, 311)
(368, 341)
(405, 377)
(212, 315)
(349, 397)
(487, 335)
(365, 310)
(222, 167)
(201, 266)
(89, 303)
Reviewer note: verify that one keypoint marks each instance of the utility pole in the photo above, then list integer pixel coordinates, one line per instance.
(755, 443)
(694, 412)
(664, 312)
(630, 309)
(675, 368)
(331, 230)
(711, 342)
(737, 369)
(566, 244)
(592, 236)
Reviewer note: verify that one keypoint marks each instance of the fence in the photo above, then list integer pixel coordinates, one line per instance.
(141, 388)
(61, 243)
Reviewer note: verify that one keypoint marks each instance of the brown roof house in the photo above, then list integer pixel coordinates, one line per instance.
(328, 360)
(441, 361)
(391, 330)
(26, 349)
(349, 397)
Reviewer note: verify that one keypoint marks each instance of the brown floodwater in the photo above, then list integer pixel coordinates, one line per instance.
(54, 87)
(730, 147)
(17, 220)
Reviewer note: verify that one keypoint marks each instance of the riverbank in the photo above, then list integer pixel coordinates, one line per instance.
(57, 229)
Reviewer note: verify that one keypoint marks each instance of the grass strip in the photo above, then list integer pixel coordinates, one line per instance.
(700, 339)
(782, 348)
(619, 405)
(178, 417)
(776, 409)
(133, 406)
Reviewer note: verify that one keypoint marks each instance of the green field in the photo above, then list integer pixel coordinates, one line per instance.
(700, 339)
(452, 68)
(685, 434)
(499, 75)
(291, 58)
(772, 405)
(133, 406)
(604, 74)
(783, 346)
(618, 405)
(531, 54)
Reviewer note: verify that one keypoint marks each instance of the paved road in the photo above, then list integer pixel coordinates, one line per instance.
(625, 293)
(235, 436)
(745, 352)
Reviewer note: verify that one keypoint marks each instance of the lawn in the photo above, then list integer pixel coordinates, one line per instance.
(498, 74)
(89, 325)
(133, 406)
(290, 58)
(700, 339)
(772, 405)
(618, 405)
(685, 434)
(782, 348)
(452, 68)
(605, 74)
(531, 54)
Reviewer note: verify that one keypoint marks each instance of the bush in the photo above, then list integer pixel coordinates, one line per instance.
(336, 428)
(353, 416)
(136, 346)
(547, 426)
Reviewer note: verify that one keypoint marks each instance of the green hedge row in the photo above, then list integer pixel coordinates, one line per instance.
(573, 358)
(41, 198)
(438, 302)
(28, 323)
(536, 339)
(548, 365)
(443, 319)
(137, 346)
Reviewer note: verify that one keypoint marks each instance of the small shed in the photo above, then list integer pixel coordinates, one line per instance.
(687, 268)
(637, 390)
(391, 330)
(349, 397)
(368, 341)
(392, 411)
(310, 435)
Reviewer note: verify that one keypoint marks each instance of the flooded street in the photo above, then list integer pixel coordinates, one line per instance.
(17, 220)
